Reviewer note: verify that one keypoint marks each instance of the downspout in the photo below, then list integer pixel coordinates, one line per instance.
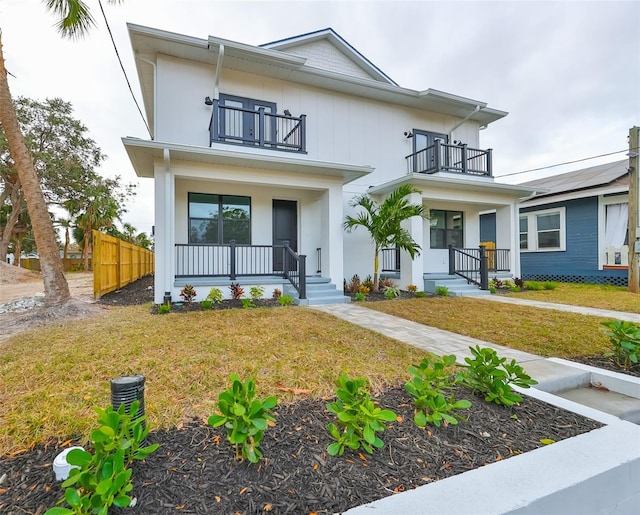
(155, 96)
(216, 92)
(462, 121)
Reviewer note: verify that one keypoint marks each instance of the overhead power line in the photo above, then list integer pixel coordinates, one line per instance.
(562, 164)
(115, 48)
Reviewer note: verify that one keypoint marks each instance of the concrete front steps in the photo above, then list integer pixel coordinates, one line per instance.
(320, 290)
(456, 286)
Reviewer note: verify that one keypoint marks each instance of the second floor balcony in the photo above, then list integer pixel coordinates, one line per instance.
(257, 128)
(442, 157)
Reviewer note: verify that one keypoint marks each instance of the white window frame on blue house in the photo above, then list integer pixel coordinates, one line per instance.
(532, 230)
(603, 202)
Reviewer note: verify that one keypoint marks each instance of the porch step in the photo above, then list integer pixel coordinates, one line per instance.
(456, 286)
(320, 290)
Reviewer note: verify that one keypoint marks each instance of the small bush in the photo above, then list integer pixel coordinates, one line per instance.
(518, 282)
(532, 285)
(277, 293)
(248, 303)
(412, 288)
(387, 282)
(285, 300)
(625, 339)
(256, 292)
(236, 291)
(442, 291)
(215, 296)
(549, 285)
(364, 290)
(391, 292)
(352, 285)
(360, 297)
(368, 282)
(206, 304)
(421, 294)
(496, 283)
(163, 309)
(514, 288)
(188, 293)
(493, 289)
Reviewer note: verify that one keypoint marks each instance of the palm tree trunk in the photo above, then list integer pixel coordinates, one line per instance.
(56, 289)
(376, 263)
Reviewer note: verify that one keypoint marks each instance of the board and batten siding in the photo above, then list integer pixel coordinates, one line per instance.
(579, 262)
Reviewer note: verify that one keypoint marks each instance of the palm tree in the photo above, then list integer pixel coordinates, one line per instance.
(74, 20)
(383, 221)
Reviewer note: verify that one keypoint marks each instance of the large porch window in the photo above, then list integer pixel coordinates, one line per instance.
(446, 228)
(219, 218)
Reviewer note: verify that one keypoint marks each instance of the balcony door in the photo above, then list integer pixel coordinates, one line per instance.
(240, 120)
(285, 228)
(424, 152)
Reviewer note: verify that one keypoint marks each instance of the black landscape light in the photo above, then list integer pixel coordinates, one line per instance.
(127, 389)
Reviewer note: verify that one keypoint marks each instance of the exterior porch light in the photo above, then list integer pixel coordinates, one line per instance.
(208, 101)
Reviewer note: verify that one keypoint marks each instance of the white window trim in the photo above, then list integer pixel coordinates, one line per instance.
(602, 213)
(532, 230)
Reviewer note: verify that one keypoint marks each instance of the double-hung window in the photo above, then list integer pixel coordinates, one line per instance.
(219, 218)
(543, 230)
(446, 228)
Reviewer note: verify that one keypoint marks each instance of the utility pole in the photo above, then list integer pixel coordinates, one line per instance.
(634, 202)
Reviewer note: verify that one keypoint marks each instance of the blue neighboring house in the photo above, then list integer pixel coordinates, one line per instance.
(575, 228)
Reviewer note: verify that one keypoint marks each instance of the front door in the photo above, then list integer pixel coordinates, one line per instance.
(423, 148)
(285, 228)
(241, 121)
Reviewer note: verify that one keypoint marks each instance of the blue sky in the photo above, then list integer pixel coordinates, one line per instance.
(567, 72)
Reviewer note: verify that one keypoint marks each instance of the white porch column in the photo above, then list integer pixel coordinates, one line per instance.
(508, 235)
(164, 229)
(411, 270)
(332, 236)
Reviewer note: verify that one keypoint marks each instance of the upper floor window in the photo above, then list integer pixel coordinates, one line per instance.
(543, 230)
(446, 228)
(219, 218)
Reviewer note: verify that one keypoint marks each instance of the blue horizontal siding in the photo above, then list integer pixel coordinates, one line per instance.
(579, 262)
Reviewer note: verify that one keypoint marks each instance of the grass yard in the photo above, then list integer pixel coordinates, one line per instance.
(539, 331)
(52, 378)
(601, 296)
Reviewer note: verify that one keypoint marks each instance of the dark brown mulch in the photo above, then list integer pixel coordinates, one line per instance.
(194, 470)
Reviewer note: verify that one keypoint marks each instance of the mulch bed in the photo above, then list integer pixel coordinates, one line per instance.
(194, 470)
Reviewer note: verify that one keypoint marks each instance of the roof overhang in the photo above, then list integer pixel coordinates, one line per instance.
(148, 43)
(426, 182)
(144, 154)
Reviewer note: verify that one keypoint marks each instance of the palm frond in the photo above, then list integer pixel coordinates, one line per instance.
(74, 17)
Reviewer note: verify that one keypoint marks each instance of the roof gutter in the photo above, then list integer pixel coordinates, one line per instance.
(216, 91)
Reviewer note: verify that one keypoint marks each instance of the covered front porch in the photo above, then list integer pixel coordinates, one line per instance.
(450, 236)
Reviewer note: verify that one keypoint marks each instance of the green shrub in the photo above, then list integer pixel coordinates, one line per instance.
(360, 297)
(206, 304)
(103, 479)
(491, 375)
(285, 300)
(420, 294)
(429, 386)
(245, 417)
(358, 419)
(533, 285)
(442, 291)
(256, 292)
(188, 293)
(215, 296)
(163, 309)
(549, 285)
(625, 339)
(391, 292)
(248, 303)
(493, 289)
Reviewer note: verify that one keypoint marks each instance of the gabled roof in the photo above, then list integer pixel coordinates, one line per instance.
(582, 180)
(302, 44)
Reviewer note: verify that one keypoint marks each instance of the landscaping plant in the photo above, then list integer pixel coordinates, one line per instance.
(206, 304)
(429, 386)
(277, 293)
(391, 292)
(163, 309)
(412, 288)
(493, 376)
(358, 418)
(256, 292)
(103, 479)
(245, 417)
(188, 293)
(248, 303)
(215, 295)
(236, 291)
(285, 300)
(625, 339)
(443, 291)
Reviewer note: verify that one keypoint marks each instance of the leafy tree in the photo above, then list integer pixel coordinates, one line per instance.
(74, 20)
(383, 221)
(64, 158)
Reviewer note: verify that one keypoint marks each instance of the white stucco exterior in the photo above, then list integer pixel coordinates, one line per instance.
(359, 126)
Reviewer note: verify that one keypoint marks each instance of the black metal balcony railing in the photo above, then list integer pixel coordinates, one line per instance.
(475, 264)
(442, 157)
(390, 259)
(233, 260)
(257, 128)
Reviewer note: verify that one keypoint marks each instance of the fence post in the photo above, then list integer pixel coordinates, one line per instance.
(232, 260)
(452, 260)
(302, 276)
(484, 272)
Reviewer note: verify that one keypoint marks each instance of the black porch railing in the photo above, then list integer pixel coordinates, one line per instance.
(475, 264)
(390, 260)
(257, 128)
(232, 260)
(442, 157)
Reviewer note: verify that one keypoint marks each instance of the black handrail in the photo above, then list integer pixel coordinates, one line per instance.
(475, 264)
(442, 157)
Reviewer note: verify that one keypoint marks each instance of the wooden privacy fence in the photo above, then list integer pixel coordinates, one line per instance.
(117, 263)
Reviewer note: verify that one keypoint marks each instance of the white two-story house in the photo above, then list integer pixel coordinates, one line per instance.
(257, 150)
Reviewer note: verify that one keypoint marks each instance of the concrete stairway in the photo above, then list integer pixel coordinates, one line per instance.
(456, 286)
(320, 290)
